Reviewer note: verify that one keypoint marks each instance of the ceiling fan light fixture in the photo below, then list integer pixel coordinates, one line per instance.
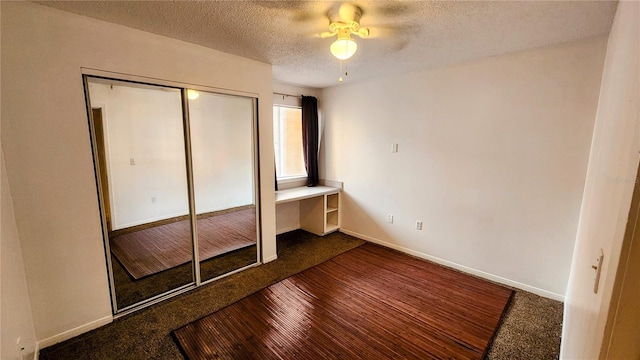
(344, 22)
(192, 94)
(343, 48)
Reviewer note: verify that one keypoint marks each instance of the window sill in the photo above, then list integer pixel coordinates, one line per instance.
(291, 182)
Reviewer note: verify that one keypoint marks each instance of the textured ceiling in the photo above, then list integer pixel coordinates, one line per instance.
(405, 35)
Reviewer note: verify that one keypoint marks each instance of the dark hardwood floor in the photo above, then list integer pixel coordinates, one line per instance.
(159, 253)
(153, 249)
(530, 330)
(370, 302)
(130, 291)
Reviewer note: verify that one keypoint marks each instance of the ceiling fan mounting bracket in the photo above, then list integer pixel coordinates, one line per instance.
(353, 26)
(346, 21)
(343, 22)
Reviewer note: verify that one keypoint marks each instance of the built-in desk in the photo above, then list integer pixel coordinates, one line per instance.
(319, 207)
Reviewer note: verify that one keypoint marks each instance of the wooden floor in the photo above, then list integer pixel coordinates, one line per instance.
(155, 249)
(368, 303)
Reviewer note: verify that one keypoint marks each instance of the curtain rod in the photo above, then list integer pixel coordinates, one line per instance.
(287, 95)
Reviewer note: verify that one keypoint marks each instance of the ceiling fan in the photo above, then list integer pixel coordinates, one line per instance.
(345, 22)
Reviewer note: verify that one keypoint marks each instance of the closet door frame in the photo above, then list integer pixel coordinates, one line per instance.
(183, 87)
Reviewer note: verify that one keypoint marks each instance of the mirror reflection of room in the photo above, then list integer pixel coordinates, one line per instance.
(222, 156)
(142, 170)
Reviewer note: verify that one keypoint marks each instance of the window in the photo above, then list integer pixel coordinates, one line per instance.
(287, 138)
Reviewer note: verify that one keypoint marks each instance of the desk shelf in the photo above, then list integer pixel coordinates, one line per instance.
(319, 207)
(332, 215)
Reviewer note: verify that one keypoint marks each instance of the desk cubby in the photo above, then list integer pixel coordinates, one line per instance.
(319, 207)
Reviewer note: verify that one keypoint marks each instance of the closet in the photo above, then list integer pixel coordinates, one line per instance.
(176, 179)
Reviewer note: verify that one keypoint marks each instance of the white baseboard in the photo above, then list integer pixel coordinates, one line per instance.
(287, 229)
(66, 335)
(466, 269)
(270, 259)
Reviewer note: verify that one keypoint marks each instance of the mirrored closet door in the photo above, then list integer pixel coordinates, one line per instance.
(175, 171)
(223, 177)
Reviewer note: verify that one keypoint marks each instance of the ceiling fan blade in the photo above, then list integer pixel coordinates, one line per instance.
(328, 34)
(363, 33)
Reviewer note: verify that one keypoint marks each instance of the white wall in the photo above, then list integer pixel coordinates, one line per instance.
(492, 158)
(48, 153)
(143, 125)
(222, 149)
(16, 320)
(609, 185)
(15, 307)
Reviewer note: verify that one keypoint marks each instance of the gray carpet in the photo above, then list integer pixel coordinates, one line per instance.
(530, 330)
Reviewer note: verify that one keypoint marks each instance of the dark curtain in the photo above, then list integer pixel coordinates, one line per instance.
(275, 175)
(310, 138)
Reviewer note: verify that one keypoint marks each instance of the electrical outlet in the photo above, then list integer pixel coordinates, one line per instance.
(132, 161)
(394, 147)
(418, 225)
(390, 218)
(153, 199)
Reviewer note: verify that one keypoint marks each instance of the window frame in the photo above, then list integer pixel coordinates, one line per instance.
(283, 180)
